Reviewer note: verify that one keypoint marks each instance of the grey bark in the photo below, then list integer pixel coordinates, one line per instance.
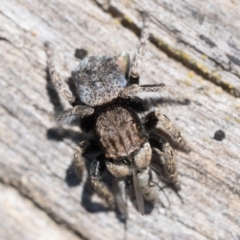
(194, 50)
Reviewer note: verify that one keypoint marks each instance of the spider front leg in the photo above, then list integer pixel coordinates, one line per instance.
(144, 92)
(169, 158)
(57, 80)
(96, 172)
(77, 112)
(137, 63)
(156, 122)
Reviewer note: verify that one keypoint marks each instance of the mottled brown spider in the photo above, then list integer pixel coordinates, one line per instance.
(112, 106)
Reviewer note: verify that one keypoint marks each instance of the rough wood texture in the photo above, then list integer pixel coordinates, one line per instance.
(194, 49)
(19, 213)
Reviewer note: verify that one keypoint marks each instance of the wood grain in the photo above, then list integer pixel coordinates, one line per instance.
(194, 49)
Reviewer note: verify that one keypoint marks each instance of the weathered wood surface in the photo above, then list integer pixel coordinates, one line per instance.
(20, 219)
(194, 49)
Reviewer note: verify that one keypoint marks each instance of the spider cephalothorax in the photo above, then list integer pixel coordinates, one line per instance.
(109, 100)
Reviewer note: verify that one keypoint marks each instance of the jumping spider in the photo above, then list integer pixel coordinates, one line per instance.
(109, 104)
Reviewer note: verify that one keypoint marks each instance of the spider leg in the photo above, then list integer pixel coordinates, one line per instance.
(77, 112)
(57, 80)
(118, 170)
(145, 92)
(78, 161)
(137, 63)
(169, 158)
(96, 172)
(156, 122)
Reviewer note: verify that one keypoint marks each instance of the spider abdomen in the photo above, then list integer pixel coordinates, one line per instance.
(119, 132)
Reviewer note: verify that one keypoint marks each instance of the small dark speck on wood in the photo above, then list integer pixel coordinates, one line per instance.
(80, 53)
(219, 135)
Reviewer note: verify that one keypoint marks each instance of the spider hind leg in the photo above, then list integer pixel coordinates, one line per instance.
(156, 122)
(168, 157)
(96, 172)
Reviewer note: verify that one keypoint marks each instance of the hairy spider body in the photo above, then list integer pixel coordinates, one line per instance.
(109, 100)
(103, 75)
